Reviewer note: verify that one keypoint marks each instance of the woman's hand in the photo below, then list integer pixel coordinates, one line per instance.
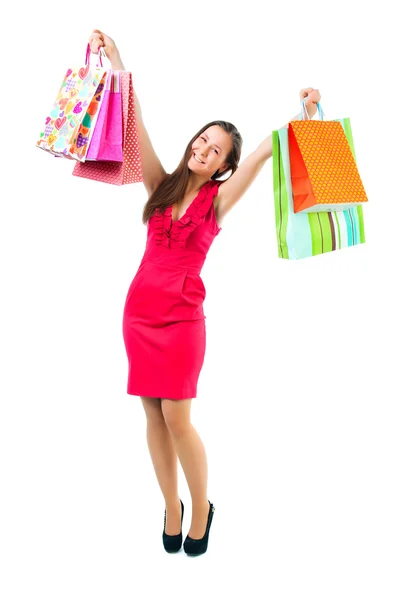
(98, 38)
(312, 97)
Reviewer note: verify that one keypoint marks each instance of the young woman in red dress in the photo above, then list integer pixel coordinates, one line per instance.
(163, 321)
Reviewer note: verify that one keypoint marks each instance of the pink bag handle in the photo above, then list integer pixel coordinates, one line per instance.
(115, 85)
(87, 57)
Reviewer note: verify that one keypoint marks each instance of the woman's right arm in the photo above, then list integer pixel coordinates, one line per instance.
(153, 172)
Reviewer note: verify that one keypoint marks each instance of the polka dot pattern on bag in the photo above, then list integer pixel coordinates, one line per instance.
(132, 159)
(329, 162)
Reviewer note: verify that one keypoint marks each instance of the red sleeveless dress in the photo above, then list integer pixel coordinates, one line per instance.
(163, 319)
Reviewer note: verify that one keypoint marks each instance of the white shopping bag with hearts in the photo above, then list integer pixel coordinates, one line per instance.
(71, 121)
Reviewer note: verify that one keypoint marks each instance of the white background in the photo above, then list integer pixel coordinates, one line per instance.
(299, 398)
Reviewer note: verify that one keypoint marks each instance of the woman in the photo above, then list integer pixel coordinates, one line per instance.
(164, 322)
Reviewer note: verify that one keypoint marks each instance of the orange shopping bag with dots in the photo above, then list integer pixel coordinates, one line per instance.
(323, 170)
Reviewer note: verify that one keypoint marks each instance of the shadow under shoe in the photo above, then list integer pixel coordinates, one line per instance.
(194, 547)
(172, 543)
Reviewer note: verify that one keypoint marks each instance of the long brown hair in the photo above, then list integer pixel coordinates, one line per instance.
(175, 184)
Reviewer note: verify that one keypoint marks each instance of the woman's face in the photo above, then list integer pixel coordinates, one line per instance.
(211, 147)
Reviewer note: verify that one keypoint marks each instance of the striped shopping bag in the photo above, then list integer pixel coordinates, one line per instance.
(301, 235)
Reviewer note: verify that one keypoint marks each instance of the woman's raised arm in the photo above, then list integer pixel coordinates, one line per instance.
(153, 172)
(231, 190)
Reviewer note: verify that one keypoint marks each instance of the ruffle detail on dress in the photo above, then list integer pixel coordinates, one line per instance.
(172, 234)
(162, 223)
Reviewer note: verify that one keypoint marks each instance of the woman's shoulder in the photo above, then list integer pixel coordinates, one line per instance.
(214, 184)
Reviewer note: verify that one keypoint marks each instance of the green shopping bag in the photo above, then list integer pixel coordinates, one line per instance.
(301, 235)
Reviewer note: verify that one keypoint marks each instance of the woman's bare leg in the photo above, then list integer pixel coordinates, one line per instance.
(193, 459)
(164, 460)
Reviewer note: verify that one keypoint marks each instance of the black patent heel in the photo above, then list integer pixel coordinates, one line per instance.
(194, 547)
(172, 543)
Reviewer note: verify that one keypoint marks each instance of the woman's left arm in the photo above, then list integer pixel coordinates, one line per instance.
(234, 188)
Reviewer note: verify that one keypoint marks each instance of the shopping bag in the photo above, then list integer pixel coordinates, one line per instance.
(68, 125)
(79, 142)
(301, 235)
(323, 170)
(129, 171)
(107, 139)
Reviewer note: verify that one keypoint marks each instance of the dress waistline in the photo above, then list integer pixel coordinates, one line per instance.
(186, 261)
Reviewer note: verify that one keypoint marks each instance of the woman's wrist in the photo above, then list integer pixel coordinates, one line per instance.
(116, 62)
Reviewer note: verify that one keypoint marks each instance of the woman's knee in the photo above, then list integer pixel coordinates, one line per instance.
(176, 414)
(153, 409)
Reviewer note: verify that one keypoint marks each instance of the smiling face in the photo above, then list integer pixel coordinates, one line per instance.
(212, 148)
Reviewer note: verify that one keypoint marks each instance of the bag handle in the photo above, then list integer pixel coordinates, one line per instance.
(114, 85)
(99, 55)
(303, 107)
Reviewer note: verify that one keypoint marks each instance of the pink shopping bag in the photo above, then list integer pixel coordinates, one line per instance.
(107, 138)
(130, 170)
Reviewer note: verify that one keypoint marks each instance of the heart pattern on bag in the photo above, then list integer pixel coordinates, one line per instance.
(81, 141)
(83, 72)
(69, 106)
(68, 123)
(59, 122)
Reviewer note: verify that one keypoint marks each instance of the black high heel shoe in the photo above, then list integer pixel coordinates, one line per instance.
(172, 543)
(194, 547)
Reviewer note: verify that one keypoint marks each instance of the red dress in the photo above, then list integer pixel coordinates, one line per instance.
(163, 320)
